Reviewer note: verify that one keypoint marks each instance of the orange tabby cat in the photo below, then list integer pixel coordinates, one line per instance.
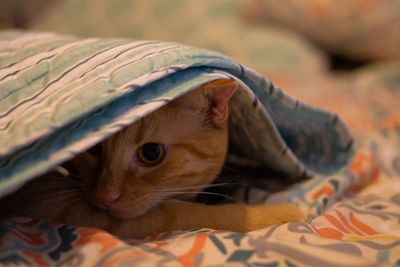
(139, 182)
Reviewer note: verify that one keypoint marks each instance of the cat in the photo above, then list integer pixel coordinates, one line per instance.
(138, 181)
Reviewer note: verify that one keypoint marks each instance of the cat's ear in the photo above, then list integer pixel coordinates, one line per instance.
(219, 93)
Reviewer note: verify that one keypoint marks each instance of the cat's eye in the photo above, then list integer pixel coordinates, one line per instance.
(151, 154)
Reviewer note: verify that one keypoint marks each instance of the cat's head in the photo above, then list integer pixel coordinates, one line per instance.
(170, 154)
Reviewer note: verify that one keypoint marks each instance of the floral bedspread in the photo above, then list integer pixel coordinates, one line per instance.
(353, 221)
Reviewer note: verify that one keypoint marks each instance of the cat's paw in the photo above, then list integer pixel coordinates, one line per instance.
(262, 216)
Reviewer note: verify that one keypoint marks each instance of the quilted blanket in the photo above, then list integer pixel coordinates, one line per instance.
(59, 95)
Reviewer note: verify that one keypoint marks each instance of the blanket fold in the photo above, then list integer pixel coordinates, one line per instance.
(59, 95)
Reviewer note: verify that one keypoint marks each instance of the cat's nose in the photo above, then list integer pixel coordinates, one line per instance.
(106, 200)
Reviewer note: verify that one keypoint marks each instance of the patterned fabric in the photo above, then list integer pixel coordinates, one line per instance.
(60, 95)
(362, 30)
(353, 213)
(360, 231)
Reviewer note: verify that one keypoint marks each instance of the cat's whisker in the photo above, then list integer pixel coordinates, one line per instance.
(63, 198)
(158, 197)
(207, 193)
(69, 192)
(189, 187)
(222, 195)
(63, 191)
(61, 184)
(230, 169)
(69, 201)
(172, 200)
(61, 188)
(74, 176)
(230, 180)
(166, 199)
(70, 181)
(62, 179)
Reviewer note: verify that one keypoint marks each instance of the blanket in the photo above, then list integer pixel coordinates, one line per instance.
(62, 94)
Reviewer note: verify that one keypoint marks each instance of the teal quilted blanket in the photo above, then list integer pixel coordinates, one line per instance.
(60, 95)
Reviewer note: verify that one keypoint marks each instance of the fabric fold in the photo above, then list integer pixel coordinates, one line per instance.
(59, 95)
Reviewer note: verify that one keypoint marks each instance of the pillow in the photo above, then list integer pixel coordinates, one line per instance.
(361, 30)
